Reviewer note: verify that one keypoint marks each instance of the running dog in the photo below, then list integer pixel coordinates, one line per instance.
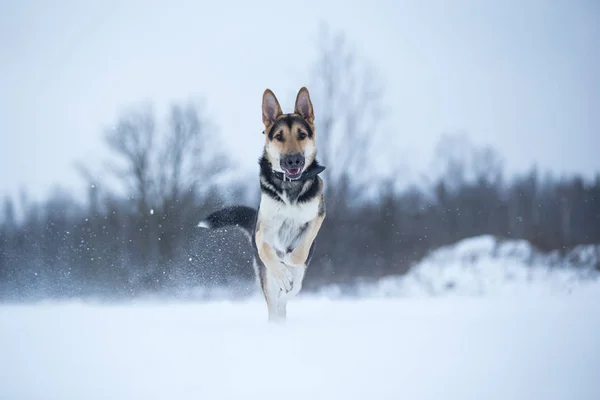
(292, 208)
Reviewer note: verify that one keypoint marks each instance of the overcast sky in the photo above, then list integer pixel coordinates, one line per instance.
(520, 75)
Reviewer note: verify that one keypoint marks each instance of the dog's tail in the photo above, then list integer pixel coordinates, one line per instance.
(241, 216)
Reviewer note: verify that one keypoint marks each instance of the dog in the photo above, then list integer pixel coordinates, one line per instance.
(284, 228)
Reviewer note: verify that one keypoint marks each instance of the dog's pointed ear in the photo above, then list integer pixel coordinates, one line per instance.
(270, 108)
(304, 106)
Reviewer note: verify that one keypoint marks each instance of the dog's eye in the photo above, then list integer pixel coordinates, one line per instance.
(301, 135)
(279, 137)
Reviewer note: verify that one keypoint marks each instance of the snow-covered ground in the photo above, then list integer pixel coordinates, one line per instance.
(480, 319)
(496, 347)
(484, 266)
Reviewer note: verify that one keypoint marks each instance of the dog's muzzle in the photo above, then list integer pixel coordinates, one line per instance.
(292, 165)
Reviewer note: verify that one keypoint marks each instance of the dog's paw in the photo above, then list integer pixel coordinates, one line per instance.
(283, 277)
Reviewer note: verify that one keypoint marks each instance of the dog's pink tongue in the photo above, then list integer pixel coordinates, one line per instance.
(293, 171)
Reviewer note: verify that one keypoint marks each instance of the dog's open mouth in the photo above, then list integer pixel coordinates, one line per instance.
(293, 173)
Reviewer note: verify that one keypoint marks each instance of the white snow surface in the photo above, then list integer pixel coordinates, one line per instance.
(485, 265)
(481, 319)
(496, 347)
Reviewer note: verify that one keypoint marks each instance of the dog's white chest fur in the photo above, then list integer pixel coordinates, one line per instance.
(284, 223)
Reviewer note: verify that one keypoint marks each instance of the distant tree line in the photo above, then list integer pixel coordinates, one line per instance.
(136, 232)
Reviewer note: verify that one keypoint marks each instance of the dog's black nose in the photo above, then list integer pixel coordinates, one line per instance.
(293, 161)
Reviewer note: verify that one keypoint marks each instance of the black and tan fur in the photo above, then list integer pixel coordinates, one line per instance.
(291, 210)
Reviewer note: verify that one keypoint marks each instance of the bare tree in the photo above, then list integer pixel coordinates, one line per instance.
(8, 218)
(348, 97)
(164, 170)
(133, 139)
(450, 160)
(190, 161)
(162, 167)
(460, 162)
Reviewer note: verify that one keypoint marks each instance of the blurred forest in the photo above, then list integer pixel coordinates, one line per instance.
(140, 237)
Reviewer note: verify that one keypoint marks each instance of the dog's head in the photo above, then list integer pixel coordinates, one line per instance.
(290, 142)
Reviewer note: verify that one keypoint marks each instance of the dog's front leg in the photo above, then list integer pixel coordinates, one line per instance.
(298, 256)
(275, 268)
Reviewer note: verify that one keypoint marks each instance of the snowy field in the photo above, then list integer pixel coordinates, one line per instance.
(451, 347)
(481, 319)
(484, 266)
